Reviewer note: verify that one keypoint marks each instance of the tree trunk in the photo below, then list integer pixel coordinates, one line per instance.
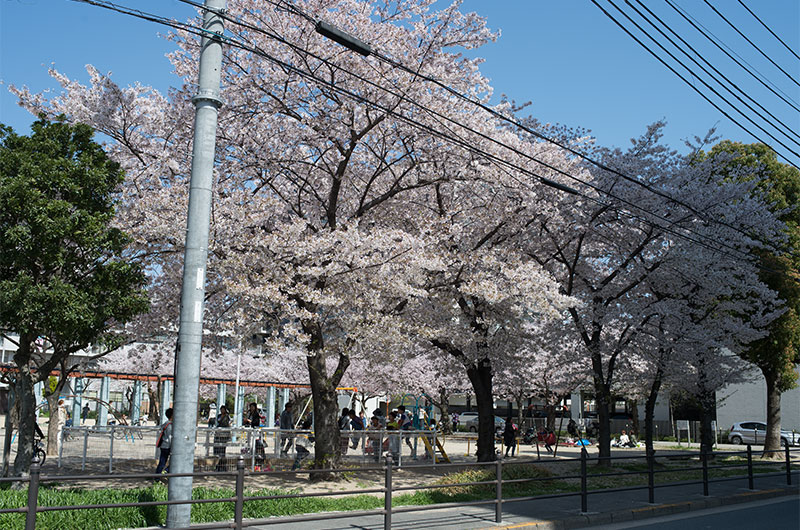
(23, 388)
(634, 406)
(480, 375)
(154, 402)
(773, 440)
(9, 432)
(603, 400)
(708, 406)
(519, 412)
(445, 424)
(551, 416)
(52, 423)
(649, 414)
(327, 449)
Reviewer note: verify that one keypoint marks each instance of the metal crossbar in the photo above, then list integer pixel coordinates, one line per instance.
(239, 498)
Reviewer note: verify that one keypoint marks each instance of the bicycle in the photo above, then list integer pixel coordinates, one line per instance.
(126, 433)
(38, 450)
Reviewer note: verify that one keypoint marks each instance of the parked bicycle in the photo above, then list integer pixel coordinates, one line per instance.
(124, 432)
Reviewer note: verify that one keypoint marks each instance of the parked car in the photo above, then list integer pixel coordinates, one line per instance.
(755, 432)
(470, 421)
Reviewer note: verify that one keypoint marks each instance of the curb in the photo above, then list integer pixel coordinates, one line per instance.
(658, 510)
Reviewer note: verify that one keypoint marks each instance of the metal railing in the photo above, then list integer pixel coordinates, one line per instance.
(35, 479)
(220, 447)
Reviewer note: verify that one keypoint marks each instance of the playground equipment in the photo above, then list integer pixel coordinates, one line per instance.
(420, 422)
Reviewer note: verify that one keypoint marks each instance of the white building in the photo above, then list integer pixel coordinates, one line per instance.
(748, 402)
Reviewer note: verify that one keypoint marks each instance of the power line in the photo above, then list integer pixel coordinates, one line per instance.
(457, 141)
(455, 122)
(732, 84)
(495, 113)
(767, 57)
(770, 30)
(750, 69)
(689, 83)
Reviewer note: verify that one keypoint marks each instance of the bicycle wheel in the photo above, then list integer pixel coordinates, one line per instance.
(40, 455)
(118, 434)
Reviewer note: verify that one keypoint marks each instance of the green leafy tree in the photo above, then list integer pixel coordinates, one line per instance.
(65, 279)
(777, 354)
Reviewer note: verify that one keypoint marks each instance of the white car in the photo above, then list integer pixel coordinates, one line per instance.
(755, 432)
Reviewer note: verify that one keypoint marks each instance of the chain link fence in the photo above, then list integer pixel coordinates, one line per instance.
(124, 447)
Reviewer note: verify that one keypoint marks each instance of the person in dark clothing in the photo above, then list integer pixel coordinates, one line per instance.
(164, 443)
(357, 424)
(253, 419)
(510, 437)
(344, 425)
(406, 424)
(221, 438)
(286, 423)
(572, 429)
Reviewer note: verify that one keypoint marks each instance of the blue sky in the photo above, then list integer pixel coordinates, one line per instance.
(565, 56)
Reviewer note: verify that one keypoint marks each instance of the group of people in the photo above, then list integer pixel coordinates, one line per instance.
(624, 440)
(370, 434)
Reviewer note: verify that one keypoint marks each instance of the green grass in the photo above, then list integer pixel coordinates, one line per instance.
(151, 516)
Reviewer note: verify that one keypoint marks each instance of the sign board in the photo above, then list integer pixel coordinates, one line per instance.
(682, 425)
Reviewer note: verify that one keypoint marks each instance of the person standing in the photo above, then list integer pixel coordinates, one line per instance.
(287, 424)
(454, 417)
(221, 438)
(253, 419)
(510, 436)
(164, 443)
(375, 438)
(392, 443)
(357, 424)
(61, 422)
(85, 412)
(406, 424)
(344, 425)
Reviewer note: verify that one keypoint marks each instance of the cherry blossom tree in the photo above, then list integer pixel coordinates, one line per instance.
(603, 252)
(313, 188)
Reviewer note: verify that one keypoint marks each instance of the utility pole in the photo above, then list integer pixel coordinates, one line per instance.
(187, 361)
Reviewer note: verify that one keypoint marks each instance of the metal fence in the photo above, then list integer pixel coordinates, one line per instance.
(35, 479)
(219, 449)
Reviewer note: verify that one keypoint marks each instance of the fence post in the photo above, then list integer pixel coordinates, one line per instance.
(111, 450)
(750, 467)
(584, 481)
(498, 490)
(433, 448)
(61, 445)
(251, 441)
(387, 495)
(239, 509)
(651, 478)
(33, 495)
(788, 466)
(85, 447)
(704, 459)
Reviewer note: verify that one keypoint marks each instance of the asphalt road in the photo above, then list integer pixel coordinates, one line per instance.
(781, 513)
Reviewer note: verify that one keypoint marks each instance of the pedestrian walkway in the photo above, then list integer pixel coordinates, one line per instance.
(564, 512)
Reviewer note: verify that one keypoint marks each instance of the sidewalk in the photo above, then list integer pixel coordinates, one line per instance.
(564, 512)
